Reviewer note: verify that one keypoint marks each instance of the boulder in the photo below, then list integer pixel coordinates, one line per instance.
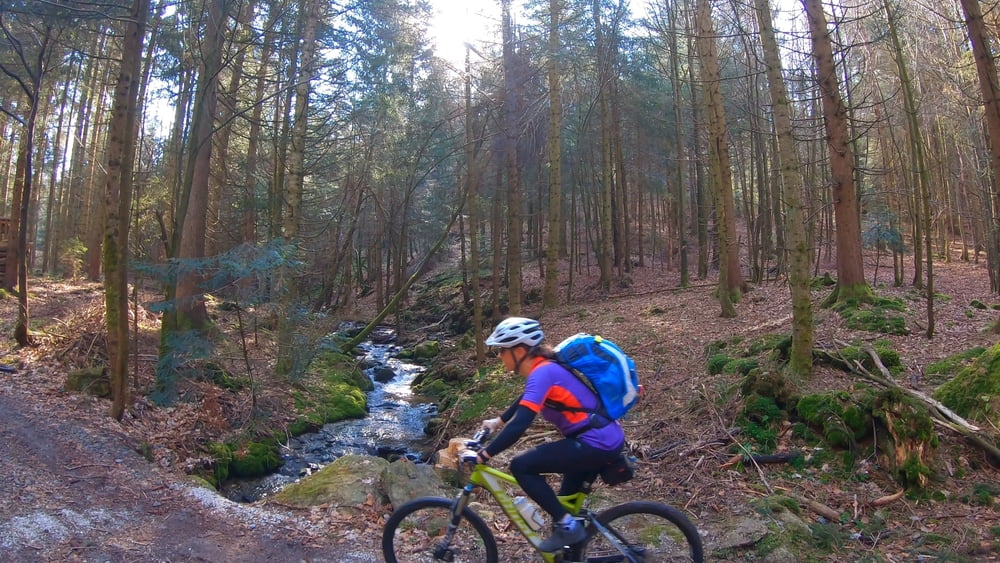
(427, 350)
(404, 481)
(383, 374)
(348, 481)
(743, 533)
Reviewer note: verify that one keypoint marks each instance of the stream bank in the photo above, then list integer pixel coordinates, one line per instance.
(392, 428)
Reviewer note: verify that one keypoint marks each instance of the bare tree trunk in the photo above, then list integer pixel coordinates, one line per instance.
(292, 217)
(31, 88)
(122, 135)
(472, 203)
(550, 297)
(680, 219)
(730, 277)
(851, 281)
(987, 71)
(511, 127)
(917, 153)
(605, 248)
(800, 251)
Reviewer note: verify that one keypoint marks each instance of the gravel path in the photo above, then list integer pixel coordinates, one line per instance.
(68, 493)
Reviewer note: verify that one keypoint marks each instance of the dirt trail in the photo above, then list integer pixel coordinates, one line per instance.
(70, 494)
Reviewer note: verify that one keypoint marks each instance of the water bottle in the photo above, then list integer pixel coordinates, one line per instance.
(530, 512)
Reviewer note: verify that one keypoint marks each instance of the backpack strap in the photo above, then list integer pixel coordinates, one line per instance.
(598, 418)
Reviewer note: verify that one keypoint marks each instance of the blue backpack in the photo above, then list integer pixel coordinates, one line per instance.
(602, 365)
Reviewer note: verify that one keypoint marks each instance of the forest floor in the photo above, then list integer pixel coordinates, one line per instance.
(74, 487)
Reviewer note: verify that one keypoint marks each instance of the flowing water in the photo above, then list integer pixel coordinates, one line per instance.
(393, 428)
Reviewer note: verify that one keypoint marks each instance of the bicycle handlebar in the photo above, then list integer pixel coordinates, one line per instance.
(479, 439)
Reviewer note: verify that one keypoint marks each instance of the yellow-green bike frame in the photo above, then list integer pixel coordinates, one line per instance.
(492, 480)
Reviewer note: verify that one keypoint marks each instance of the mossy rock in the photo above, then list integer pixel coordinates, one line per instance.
(427, 350)
(93, 380)
(348, 481)
(974, 393)
(335, 367)
(254, 459)
(334, 389)
(203, 483)
(473, 396)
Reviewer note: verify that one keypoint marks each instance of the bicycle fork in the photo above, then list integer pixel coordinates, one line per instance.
(443, 550)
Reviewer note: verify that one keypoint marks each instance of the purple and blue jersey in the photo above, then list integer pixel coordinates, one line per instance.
(550, 383)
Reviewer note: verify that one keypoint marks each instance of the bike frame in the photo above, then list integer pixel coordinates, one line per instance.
(493, 481)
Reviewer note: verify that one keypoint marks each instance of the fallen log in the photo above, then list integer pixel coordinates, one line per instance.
(939, 413)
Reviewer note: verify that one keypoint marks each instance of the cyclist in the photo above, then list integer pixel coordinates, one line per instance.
(589, 441)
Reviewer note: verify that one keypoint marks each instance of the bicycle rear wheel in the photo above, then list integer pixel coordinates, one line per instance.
(650, 531)
(417, 532)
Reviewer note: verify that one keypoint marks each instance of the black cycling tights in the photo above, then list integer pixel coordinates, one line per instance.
(578, 462)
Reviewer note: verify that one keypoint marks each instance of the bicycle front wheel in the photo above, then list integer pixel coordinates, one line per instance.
(418, 531)
(648, 531)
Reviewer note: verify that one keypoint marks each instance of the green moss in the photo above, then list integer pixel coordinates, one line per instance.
(874, 314)
(875, 321)
(911, 420)
(977, 304)
(202, 482)
(717, 363)
(952, 364)
(715, 347)
(222, 457)
(740, 366)
(760, 420)
(776, 503)
(254, 459)
(974, 392)
(883, 348)
(427, 350)
(838, 416)
(913, 471)
(771, 384)
(983, 494)
(145, 449)
(824, 281)
(828, 537)
(333, 389)
(219, 377)
(767, 343)
(889, 303)
(301, 426)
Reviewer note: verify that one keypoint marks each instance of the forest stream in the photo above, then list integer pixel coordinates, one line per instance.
(393, 428)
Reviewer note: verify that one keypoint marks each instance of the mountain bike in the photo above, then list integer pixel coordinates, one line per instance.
(441, 529)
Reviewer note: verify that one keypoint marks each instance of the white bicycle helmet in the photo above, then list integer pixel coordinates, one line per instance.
(514, 331)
